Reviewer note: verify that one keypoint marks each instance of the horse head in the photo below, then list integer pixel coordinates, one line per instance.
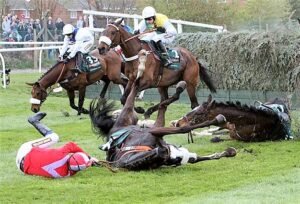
(38, 96)
(197, 115)
(110, 37)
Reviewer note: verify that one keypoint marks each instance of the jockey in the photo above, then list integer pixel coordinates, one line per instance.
(36, 158)
(80, 39)
(165, 31)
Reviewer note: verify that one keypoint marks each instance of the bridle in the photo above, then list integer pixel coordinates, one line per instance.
(44, 93)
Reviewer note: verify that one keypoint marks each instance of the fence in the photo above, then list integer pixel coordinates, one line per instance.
(136, 18)
(25, 49)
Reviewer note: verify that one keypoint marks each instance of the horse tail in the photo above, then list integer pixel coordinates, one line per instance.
(101, 121)
(204, 76)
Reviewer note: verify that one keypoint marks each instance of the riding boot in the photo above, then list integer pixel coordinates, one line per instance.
(35, 121)
(163, 54)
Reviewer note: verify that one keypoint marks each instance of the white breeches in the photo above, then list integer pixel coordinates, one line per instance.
(83, 47)
(165, 38)
(44, 142)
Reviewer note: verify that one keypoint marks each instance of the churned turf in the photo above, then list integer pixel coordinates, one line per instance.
(266, 172)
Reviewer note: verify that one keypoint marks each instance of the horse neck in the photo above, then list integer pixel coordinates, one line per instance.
(51, 76)
(131, 47)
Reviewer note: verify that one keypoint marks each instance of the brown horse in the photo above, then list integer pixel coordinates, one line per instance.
(245, 123)
(64, 74)
(154, 74)
(132, 147)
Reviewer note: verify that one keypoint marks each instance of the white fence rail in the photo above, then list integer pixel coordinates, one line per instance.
(136, 19)
(25, 49)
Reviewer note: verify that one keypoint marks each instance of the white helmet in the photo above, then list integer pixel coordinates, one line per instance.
(68, 29)
(148, 12)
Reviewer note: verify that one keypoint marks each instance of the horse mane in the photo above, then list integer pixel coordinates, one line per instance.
(242, 107)
(50, 69)
(101, 120)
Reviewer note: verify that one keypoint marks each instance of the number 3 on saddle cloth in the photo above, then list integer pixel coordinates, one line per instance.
(87, 63)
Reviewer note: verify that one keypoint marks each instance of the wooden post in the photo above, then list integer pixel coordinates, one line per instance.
(35, 52)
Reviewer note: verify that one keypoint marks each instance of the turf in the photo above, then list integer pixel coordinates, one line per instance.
(266, 172)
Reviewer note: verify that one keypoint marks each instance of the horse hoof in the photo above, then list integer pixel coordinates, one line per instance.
(139, 110)
(221, 119)
(231, 152)
(216, 139)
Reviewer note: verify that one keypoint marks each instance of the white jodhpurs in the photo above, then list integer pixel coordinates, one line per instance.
(44, 142)
(83, 47)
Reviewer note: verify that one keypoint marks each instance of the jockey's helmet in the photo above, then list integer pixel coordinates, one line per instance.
(68, 29)
(79, 161)
(148, 12)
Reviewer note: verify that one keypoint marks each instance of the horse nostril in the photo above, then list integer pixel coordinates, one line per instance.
(101, 50)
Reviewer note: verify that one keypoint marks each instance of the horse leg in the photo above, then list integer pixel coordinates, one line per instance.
(71, 95)
(104, 89)
(191, 90)
(126, 92)
(160, 120)
(229, 152)
(163, 91)
(81, 101)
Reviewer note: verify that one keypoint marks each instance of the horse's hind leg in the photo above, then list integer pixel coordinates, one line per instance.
(229, 152)
(191, 90)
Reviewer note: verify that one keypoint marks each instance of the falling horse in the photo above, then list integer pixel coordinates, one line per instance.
(154, 75)
(269, 121)
(64, 74)
(131, 147)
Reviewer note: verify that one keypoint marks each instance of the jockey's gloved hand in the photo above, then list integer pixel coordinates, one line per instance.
(161, 29)
(60, 58)
(66, 60)
(136, 32)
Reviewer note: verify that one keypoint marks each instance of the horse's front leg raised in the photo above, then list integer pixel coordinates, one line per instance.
(71, 95)
(81, 96)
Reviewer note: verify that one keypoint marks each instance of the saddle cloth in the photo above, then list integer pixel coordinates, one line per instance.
(88, 63)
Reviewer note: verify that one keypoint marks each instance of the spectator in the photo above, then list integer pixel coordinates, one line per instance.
(29, 35)
(38, 27)
(59, 24)
(79, 23)
(51, 27)
(6, 25)
(22, 29)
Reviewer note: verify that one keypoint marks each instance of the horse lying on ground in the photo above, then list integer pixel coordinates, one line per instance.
(134, 148)
(69, 79)
(269, 121)
(153, 74)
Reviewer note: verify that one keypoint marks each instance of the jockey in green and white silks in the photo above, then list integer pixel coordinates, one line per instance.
(165, 31)
(76, 40)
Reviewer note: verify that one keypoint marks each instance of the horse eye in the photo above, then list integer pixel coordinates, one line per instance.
(113, 32)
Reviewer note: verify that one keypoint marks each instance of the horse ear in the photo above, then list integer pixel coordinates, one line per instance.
(119, 21)
(30, 84)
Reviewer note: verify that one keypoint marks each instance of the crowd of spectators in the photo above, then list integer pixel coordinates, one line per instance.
(15, 29)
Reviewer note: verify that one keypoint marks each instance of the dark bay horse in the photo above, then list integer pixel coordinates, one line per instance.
(269, 121)
(134, 148)
(64, 74)
(154, 75)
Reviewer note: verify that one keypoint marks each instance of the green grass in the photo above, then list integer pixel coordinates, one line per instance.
(270, 174)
